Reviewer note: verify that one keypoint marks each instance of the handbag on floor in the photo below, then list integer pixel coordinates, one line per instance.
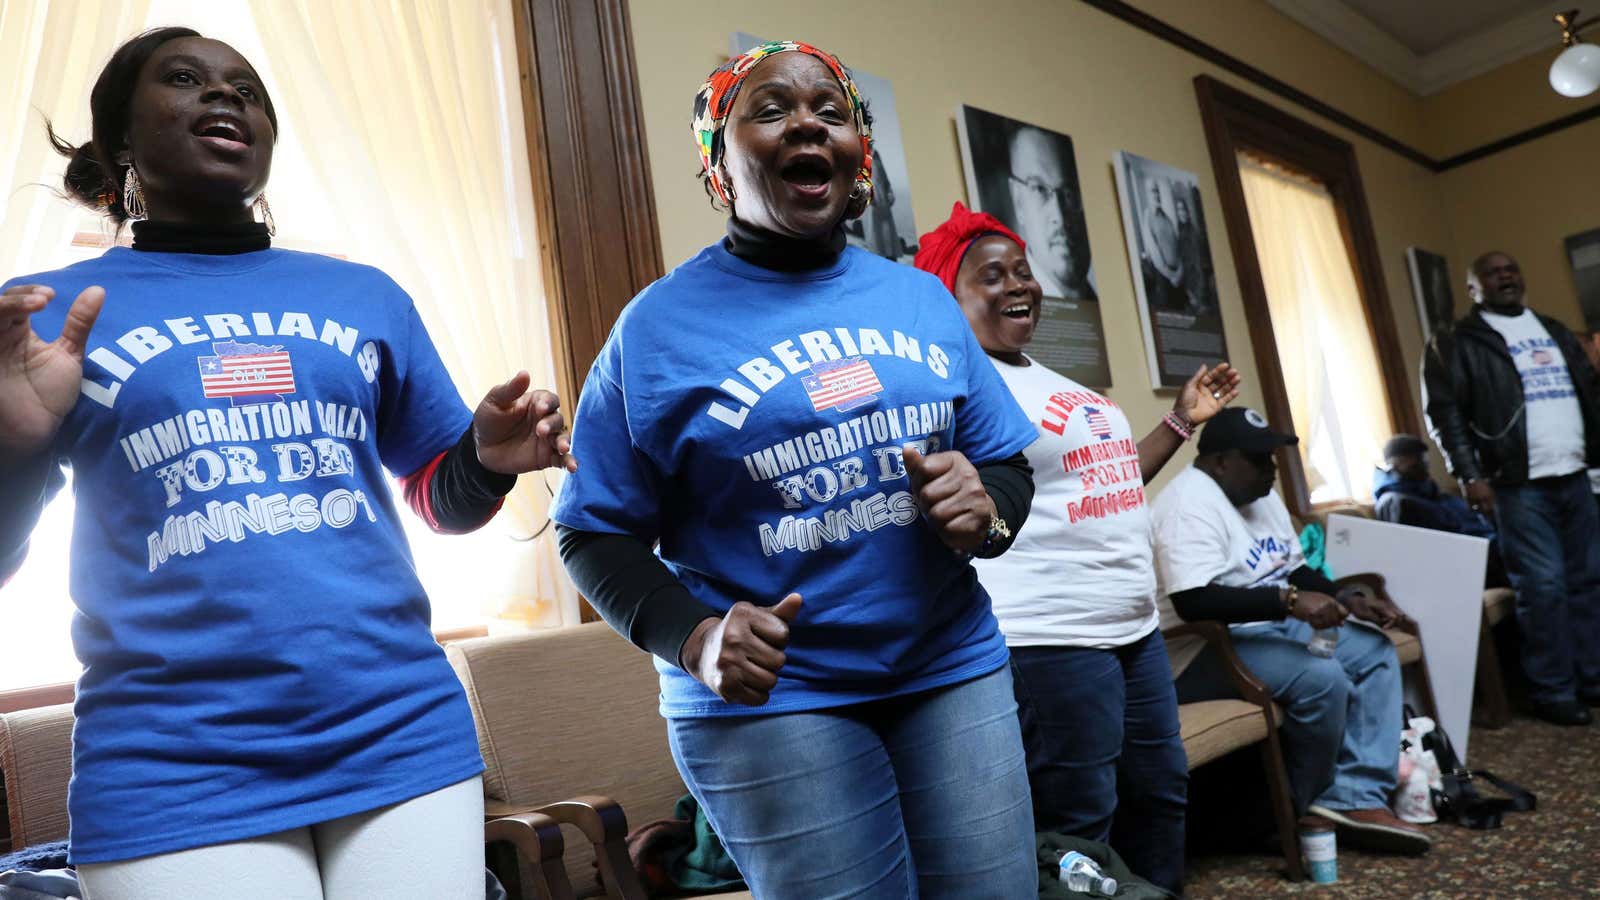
(1458, 800)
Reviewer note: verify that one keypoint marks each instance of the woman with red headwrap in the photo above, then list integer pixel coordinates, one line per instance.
(1076, 595)
(817, 442)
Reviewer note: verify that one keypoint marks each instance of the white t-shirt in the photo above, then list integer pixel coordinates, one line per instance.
(1202, 539)
(1553, 418)
(1080, 572)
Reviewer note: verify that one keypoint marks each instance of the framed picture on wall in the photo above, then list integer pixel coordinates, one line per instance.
(1430, 285)
(1027, 177)
(887, 228)
(1583, 251)
(1170, 255)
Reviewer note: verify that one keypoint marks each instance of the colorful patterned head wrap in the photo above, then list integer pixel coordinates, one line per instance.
(941, 250)
(714, 102)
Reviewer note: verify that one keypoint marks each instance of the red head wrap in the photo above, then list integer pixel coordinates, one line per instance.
(940, 251)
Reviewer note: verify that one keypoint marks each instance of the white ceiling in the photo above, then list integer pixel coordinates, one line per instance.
(1428, 45)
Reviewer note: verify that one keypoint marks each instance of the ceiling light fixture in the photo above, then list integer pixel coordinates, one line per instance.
(1576, 72)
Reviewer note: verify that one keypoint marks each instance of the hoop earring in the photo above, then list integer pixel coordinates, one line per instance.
(265, 211)
(133, 195)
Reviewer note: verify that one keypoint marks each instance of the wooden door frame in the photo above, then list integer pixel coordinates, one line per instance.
(598, 231)
(1236, 121)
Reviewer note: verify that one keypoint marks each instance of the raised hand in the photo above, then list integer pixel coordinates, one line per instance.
(738, 656)
(39, 380)
(1207, 392)
(518, 430)
(951, 497)
(1364, 603)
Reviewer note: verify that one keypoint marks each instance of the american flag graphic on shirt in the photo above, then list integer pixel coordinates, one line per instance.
(246, 373)
(841, 384)
(1099, 424)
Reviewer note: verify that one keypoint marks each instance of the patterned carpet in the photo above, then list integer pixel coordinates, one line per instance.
(1551, 852)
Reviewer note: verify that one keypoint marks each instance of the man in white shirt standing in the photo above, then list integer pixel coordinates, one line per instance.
(1227, 551)
(1514, 404)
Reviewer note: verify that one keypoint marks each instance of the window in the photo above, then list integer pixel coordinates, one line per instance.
(403, 146)
(1321, 327)
(1330, 370)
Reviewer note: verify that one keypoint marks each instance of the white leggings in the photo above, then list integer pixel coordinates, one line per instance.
(426, 848)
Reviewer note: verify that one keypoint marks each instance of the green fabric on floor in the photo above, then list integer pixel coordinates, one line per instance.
(1050, 847)
(702, 866)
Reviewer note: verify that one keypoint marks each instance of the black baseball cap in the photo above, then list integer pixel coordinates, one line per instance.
(1404, 445)
(1241, 428)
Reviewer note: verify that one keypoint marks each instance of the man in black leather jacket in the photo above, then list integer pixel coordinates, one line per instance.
(1514, 404)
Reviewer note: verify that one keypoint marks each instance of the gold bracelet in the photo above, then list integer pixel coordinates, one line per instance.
(1291, 596)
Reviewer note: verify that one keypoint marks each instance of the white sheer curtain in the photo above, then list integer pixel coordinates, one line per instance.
(409, 119)
(50, 53)
(1330, 369)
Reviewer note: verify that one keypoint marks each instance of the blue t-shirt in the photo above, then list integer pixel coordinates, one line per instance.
(255, 642)
(752, 420)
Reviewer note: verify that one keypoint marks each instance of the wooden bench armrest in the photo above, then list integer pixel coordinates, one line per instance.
(603, 822)
(1244, 681)
(538, 842)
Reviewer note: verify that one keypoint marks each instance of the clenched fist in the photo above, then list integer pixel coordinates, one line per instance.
(738, 656)
(951, 497)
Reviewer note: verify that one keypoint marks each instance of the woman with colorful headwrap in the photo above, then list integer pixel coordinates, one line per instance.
(1076, 594)
(814, 437)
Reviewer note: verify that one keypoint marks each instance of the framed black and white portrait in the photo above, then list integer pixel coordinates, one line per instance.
(1169, 253)
(1430, 285)
(1026, 176)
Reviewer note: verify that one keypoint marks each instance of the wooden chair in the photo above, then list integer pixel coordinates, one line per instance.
(36, 765)
(1214, 728)
(561, 712)
(1491, 703)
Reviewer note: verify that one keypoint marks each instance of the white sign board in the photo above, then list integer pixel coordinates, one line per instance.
(1437, 578)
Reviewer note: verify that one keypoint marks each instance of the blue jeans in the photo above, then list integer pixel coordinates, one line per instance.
(924, 795)
(1341, 736)
(1550, 538)
(1105, 753)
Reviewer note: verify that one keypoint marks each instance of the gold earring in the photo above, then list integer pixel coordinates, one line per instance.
(265, 211)
(133, 195)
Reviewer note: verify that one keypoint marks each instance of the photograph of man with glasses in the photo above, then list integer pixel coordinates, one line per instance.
(1027, 177)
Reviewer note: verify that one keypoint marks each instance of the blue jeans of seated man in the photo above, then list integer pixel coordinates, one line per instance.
(919, 796)
(1550, 539)
(1105, 752)
(1341, 737)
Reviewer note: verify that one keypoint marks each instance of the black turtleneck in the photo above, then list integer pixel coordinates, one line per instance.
(629, 585)
(183, 237)
(781, 253)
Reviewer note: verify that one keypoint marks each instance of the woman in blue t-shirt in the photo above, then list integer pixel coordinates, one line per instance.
(263, 713)
(819, 445)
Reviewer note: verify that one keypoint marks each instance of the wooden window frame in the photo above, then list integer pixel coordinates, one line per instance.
(598, 230)
(1237, 122)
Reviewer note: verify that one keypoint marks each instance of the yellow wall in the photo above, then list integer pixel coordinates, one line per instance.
(1066, 66)
(1526, 200)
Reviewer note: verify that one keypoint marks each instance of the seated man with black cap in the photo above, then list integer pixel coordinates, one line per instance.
(1226, 551)
(1406, 494)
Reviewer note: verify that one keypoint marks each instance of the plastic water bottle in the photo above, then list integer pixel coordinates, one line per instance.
(1083, 876)
(1323, 642)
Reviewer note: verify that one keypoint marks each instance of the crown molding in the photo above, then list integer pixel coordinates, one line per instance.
(1431, 73)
